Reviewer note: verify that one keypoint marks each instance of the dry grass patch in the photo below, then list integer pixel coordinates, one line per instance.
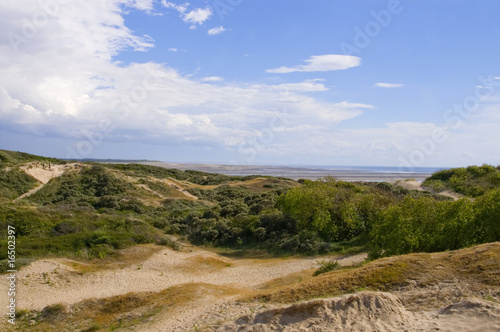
(207, 263)
(291, 279)
(477, 267)
(117, 260)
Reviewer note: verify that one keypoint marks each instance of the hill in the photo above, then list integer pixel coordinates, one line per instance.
(471, 181)
(95, 237)
(152, 288)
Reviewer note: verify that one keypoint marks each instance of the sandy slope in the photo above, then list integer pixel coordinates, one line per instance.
(44, 172)
(50, 281)
(216, 284)
(415, 185)
(370, 311)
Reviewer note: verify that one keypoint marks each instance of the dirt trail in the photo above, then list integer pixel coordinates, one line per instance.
(415, 185)
(43, 173)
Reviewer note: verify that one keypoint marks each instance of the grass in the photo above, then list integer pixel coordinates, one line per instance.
(327, 266)
(478, 267)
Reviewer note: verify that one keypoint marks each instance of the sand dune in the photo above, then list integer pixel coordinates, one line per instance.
(200, 290)
(370, 311)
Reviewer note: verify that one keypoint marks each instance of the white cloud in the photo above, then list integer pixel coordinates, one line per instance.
(64, 82)
(216, 31)
(146, 5)
(180, 8)
(328, 62)
(306, 86)
(197, 16)
(212, 79)
(388, 85)
(173, 49)
(193, 17)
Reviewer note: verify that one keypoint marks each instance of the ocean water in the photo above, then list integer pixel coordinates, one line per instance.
(348, 173)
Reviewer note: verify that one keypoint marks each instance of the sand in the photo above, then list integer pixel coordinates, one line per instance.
(43, 173)
(220, 282)
(370, 311)
(50, 281)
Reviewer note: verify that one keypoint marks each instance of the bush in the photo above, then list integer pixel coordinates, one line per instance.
(472, 181)
(424, 224)
(14, 183)
(327, 266)
(486, 224)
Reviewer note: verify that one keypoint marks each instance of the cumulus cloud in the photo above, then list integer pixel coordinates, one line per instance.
(146, 5)
(328, 62)
(194, 16)
(180, 8)
(388, 85)
(197, 16)
(216, 31)
(63, 83)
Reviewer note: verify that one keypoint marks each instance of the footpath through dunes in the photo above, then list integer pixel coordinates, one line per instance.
(152, 288)
(149, 273)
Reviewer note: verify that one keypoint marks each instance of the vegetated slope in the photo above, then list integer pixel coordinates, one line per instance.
(472, 181)
(265, 213)
(11, 158)
(92, 210)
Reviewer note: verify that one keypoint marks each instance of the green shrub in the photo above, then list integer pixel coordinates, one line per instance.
(327, 266)
(14, 183)
(472, 181)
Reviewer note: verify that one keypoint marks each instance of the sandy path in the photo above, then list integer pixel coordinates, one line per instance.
(51, 281)
(44, 173)
(415, 185)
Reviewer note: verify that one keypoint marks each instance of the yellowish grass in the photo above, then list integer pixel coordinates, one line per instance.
(478, 267)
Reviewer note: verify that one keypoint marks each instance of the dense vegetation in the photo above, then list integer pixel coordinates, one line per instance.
(11, 158)
(472, 181)
(94, 209)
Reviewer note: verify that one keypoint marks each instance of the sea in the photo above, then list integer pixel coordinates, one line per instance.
(346, 173)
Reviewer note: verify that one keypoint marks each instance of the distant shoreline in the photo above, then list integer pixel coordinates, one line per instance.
(353, 173)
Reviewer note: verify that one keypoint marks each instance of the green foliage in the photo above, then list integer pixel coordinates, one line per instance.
(336, 210)
(11, 158)
(327, 266)
(201, 178)
(70, 231)
(425, 225)
(472, 181)
(95, 210)
(486, 225)
(91, 186)
(14, 183)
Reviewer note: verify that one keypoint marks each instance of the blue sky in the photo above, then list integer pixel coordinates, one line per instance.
(295, 82)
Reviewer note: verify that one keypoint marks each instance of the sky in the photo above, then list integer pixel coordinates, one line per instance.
(274, 82)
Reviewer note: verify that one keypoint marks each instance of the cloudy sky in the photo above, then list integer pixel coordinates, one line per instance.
(289, 82)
